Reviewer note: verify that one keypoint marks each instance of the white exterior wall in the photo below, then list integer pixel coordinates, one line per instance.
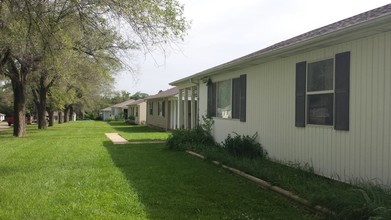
(363, 152)
(117, 111)
(106, 115)
(142, 113)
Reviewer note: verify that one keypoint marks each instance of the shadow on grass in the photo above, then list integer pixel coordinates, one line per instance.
(150, 175)
(122, 127)
(139, 132)
(174, 185)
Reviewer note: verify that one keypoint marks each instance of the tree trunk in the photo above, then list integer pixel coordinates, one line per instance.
(60, 119)
(70, 113)
(41, 116)
(17, 71)
(19, 90)
(66, 113)
(51, 117)
(40, 103)
(40, 96)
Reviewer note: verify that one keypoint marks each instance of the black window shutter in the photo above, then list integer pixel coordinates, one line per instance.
(163, 108)
(243, 89)
(342, 87)
(301, 69)
(236, 98)
(211, 99)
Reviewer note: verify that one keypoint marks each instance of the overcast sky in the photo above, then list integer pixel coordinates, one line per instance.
(223, 30)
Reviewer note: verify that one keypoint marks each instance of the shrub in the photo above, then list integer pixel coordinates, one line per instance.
(244, 146)
(111, 118)
(131, 120)
(207, 124)
(183, 139)
(99, 118)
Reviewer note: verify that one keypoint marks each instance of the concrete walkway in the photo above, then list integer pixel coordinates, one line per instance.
(117, 139)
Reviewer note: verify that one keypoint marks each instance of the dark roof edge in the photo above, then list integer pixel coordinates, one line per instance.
(167, 93)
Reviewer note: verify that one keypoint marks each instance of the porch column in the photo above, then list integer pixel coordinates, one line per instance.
(192, 110)
(186, 112)
(173, 114)
(175, 104)
(180, 112)
(197, 107)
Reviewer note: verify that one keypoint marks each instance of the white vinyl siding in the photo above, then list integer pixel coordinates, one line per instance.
(364, 151)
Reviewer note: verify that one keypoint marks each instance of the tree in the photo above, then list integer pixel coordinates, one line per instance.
(139, 95)
(32, 31)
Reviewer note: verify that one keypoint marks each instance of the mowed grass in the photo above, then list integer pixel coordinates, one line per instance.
(72, 171)
(138, 132)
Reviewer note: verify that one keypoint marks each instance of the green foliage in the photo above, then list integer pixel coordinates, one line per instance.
(6, 98)
(111, 118)
(139, 95)
(78, 45)
(182, 139)
(131, 120)
(244, 146)
(363, 201)
(358, 201)
(207, 124)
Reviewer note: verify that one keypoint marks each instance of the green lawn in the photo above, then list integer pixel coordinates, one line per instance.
(72, 171)
(138, 133)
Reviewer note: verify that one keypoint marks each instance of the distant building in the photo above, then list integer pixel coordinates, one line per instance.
(162, 110)
(138, 109)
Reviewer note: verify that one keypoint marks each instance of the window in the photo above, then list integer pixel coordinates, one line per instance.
(161, 108)
(223, 100)
(136, 111)
(227, 99)
(132, 111)
(320, 92)
(150, 106)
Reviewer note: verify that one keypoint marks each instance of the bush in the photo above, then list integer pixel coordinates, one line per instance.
(111, 118)
(130, 122)
(99, 118)
(244, 146)
(183, 139)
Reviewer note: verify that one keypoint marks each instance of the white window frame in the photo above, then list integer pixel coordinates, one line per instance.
(321, 92)
(160, 108)
(220, 115)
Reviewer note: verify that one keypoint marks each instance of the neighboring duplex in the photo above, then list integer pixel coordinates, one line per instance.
(138, 110)
(322, 98)
(162, 109)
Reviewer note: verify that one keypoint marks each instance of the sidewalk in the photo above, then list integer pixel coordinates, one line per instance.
(117, 139)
